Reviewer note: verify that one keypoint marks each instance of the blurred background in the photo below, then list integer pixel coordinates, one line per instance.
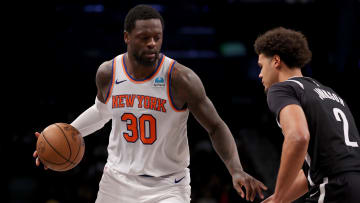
(213, 38)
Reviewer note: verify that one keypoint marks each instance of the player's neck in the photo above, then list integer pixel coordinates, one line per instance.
(137, 70)
(289, 73)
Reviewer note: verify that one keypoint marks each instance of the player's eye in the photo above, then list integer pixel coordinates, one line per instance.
(157, 37)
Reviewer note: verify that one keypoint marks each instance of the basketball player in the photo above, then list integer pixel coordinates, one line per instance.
(149, 96)
(316, 123)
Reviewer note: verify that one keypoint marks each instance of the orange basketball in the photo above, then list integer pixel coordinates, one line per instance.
(60, 147)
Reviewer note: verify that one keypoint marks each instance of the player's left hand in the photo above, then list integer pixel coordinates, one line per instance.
(252, 186)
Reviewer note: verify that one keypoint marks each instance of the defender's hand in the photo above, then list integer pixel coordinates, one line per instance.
(252, 186)
(35, 154)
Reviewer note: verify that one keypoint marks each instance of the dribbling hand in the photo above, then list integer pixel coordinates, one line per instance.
(251, 185)
(35, 154)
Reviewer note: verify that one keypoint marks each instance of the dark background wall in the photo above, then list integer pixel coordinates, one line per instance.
(215, 39)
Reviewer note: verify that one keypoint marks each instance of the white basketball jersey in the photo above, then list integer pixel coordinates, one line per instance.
(149, 135)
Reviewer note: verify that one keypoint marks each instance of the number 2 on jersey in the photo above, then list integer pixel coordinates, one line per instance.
(147, 135)
(338, 113)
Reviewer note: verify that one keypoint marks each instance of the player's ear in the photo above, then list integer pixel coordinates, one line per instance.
(276, 61)
(126, 37)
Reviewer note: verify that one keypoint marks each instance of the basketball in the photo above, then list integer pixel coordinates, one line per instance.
(60, 147)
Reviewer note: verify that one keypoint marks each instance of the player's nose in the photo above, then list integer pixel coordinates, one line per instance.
(151, 43)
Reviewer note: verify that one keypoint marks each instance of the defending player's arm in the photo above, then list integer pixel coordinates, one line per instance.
(284, 101)
(296, 140)
(187, 88)
(297, 189)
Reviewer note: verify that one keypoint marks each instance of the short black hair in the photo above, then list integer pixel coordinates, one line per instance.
(290, 45)
(141, 12)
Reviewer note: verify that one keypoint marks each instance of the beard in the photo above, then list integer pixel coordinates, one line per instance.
(141, 59)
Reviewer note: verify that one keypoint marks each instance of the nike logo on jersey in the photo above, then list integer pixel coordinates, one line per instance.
(178, 181)
(142, 101)
(118, 82)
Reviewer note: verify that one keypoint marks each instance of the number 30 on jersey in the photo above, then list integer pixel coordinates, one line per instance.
(145, 126)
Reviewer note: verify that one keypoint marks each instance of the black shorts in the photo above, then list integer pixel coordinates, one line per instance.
(340, 188)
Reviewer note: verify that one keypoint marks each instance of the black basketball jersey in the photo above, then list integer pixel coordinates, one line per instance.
(334, 145)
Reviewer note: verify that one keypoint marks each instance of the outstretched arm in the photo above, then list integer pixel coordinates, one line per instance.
(188, 89)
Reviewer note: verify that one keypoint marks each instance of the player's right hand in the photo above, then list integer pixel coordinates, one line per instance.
(251, 185)
(35, 154)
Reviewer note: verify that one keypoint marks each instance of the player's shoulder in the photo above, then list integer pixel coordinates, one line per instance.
(282, 94)
(285, 90)
(104, 73)
(292, 84)
(181, 73)
(281, 86)
(182, 69)
(187, 84)
(106, 67)
(305, 82)
(176, 67)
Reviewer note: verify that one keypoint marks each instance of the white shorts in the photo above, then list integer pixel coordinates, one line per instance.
(117, 187)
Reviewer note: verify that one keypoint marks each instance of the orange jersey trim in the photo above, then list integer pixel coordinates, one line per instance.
(159, 66)
(169, 89)
(112, 80)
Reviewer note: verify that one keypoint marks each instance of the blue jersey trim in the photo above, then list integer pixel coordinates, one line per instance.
(137, 80)
(171, 97)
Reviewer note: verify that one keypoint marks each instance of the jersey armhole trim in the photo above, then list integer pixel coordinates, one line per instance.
(112, 80)
(172, 104)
